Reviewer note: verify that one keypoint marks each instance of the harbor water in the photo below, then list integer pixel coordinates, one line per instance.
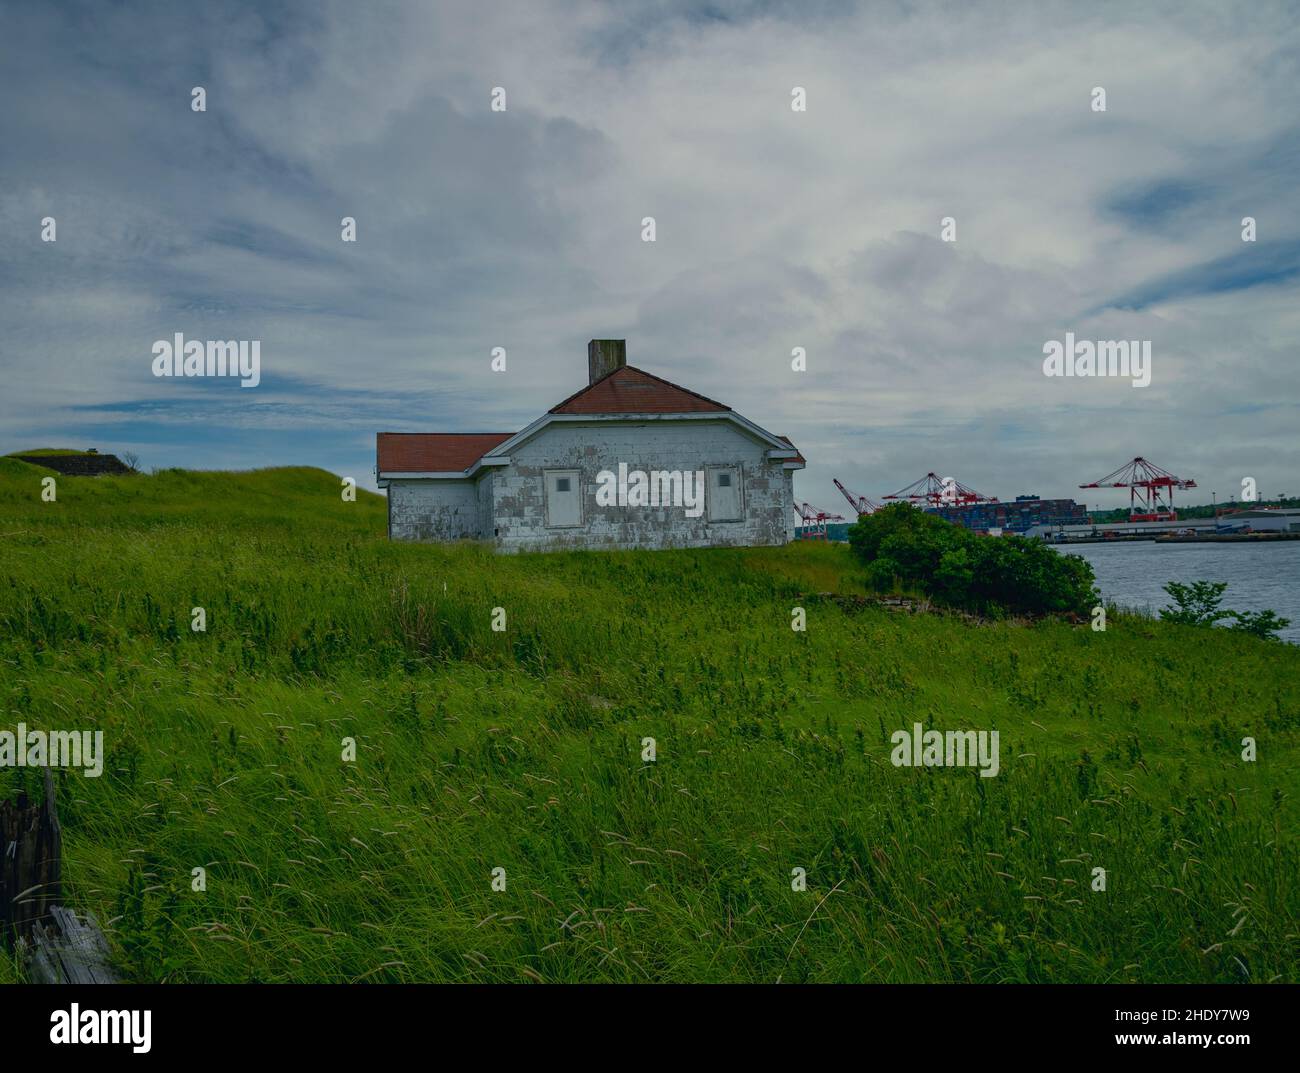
(1259, 575)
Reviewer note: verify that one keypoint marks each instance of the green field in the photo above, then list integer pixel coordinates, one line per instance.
(521, 750)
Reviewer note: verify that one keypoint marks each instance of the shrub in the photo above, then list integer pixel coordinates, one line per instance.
(1262, 624)
(902, 545)
(1197, 604)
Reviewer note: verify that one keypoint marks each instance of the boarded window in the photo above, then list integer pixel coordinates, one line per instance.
(563, 503)
(724, 494)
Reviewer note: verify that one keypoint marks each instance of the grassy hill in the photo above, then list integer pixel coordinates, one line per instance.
(521, 750)
(50, 452)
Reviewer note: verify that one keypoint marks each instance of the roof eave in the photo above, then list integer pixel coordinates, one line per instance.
(778, 449)
(410, 475)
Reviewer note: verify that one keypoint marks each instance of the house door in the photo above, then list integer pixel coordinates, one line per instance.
(563, 498)
(724, 494)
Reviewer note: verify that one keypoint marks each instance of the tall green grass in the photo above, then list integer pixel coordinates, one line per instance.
(522, 750)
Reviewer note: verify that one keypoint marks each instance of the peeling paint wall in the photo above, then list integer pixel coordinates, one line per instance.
(486, 517)
(434, 510)
(520, 507)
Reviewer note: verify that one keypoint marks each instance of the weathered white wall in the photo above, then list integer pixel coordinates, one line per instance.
(433, 510)
(486, 521)
(520, 507)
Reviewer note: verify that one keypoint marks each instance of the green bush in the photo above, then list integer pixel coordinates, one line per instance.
(904, 546)
(1197, 604)
(1262, 624)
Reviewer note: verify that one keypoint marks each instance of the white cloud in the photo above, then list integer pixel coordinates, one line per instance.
(776, 229)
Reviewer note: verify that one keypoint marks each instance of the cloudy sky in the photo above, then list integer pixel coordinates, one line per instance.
(775, 229)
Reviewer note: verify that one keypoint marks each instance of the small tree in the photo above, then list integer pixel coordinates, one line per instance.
(1198, 603)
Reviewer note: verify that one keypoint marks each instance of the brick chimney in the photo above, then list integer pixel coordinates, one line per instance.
(604, 356)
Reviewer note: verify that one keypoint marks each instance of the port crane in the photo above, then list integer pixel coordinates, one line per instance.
(860, 504)
(814, 520)
(1151, 490)
(934, 492)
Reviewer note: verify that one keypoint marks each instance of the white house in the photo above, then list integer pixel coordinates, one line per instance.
(630, 461)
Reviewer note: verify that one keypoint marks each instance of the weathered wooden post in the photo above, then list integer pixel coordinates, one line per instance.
(31, 878)
(60, 948)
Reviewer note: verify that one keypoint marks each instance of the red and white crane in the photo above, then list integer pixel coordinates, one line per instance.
(861, 504)
(1151, 490)
(934, 491)
(814, 521)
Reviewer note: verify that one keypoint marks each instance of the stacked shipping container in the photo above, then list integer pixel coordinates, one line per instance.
(1016, 517)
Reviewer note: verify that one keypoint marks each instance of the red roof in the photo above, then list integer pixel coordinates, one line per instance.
(798, 458)
(434, 452)
(630, 390)
(627, 390)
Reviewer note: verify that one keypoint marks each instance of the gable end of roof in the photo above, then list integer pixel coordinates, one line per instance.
(629, 390)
